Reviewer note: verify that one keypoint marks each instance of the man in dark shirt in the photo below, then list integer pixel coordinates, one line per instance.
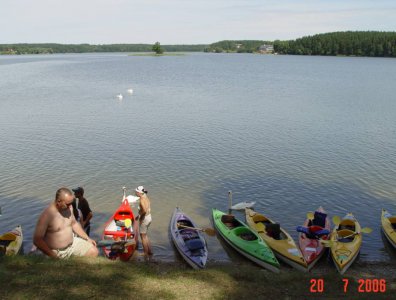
(85, 209)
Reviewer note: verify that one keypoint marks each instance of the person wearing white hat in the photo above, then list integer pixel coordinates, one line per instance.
(144, 218)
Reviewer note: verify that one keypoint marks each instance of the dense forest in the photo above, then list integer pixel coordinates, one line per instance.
(242, 46)
(356, 43)
(86, 48)
(350, 43)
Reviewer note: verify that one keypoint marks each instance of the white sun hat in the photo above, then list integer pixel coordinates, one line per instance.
(140, 189)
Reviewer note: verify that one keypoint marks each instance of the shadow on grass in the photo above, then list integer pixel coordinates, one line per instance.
(26, 277)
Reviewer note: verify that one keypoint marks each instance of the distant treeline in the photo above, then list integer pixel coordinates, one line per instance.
(86, 48)
(357, 43)
(242, 46)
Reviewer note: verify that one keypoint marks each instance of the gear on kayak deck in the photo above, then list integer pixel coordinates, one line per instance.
(247, 236)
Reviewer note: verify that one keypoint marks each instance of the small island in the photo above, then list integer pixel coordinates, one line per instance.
(346, 43)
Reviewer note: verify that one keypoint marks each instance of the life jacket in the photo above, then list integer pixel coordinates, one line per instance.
(313, 232)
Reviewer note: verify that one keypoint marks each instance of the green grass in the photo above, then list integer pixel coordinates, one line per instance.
(37, 277)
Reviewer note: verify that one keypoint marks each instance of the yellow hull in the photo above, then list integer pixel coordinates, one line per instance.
(388, 223)
(284, 247)
(11, 242)
(346, 242)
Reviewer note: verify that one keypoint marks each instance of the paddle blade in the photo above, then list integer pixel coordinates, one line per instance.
(366, 230)
(209, 231)
(336, 220)
(8, 237)
(327, 244)
(310, 215)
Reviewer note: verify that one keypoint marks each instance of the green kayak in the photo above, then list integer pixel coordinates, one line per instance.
(244, 240)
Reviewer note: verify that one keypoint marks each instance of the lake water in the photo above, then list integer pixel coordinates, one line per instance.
(289, 132)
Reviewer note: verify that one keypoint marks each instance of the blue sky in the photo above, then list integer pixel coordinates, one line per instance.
(185, 21)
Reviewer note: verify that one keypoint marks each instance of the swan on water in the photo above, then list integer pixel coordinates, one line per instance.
(130, 91)
(119, 96)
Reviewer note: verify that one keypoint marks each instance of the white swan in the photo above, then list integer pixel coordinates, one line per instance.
(119, 96)
(130, 91)
(243, 205)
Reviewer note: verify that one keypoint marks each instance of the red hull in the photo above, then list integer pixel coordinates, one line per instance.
(312, 249)
(113, 231)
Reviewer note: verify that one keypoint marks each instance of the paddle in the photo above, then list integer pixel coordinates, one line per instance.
(108, 243)
(8, 237)
(336, 220)
(208, 231)
(229, 202)
(331, 243)
(363, 230)
(124, 193)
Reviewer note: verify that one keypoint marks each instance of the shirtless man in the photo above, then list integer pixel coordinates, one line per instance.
(144, 218)
(55, 228)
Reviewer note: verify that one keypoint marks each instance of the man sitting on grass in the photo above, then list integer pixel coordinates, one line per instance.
(55, 227)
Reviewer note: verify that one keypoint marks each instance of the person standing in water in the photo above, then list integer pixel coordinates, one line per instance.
(85, 209)
(144, 218)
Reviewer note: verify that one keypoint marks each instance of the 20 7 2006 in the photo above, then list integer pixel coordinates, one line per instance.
(369, 285)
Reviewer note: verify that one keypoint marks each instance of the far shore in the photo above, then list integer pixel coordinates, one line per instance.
(154, 54)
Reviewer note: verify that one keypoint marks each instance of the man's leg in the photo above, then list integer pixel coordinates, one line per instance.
(146, 244)
(82, 247)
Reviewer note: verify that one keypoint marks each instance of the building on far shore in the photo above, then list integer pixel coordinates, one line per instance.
(8, 51)
(265, 49)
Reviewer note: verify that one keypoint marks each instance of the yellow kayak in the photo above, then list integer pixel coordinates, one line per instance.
(388, 223)
(277, 239)
(11, 242)
(346, 240)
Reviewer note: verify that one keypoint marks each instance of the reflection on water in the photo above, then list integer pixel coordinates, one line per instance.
(290, 133)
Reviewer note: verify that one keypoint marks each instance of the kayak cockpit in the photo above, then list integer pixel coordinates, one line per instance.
(245, 234)
(230, 221)
(345, 235)
(182, 223)
(392, 220)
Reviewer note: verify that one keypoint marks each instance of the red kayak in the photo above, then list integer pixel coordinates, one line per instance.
(121, 232)
(309, 241)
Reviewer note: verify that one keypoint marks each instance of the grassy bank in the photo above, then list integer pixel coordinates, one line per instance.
(37, 277)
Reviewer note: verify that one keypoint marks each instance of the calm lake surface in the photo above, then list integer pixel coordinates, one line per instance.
(289, 132)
